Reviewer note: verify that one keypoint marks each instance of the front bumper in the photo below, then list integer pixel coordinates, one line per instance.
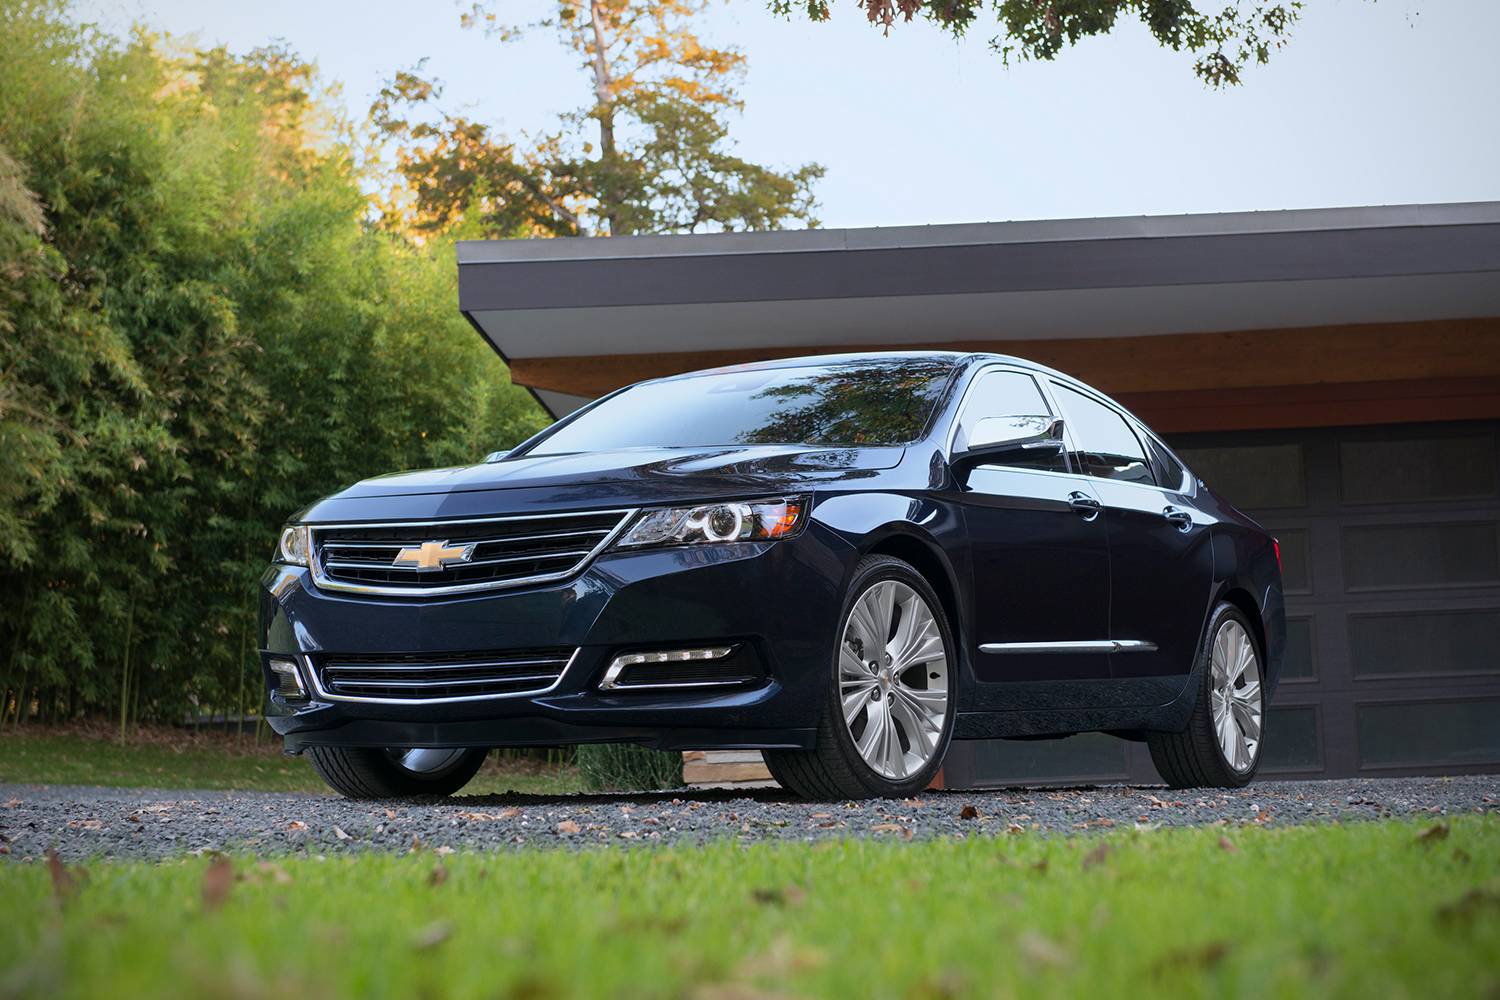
(780, 598)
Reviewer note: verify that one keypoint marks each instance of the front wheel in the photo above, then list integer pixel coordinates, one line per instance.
(1221, 746)
(395, 772)
(889, 711)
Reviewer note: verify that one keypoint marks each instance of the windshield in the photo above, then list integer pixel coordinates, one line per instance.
(881, 401)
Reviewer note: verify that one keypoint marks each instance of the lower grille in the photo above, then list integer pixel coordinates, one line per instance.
(418, 677)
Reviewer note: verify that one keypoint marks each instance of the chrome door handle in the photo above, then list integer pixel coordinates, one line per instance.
(1183, 519)
(1084, 505)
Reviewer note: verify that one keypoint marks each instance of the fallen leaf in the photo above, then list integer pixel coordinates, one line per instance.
(821, 816)
(432, 935)
(439, 876)
(12, 803)
(296, 825)
(65, 881)
(475, 816)
(1468, 906)
(968, 812)
(1096, 857)
(135, 819)
(1042, 951)
(567, 826)
(1226, 844)
(443, 851)
(217, 881)
(508, 813)
(887, 827)
(1433, 834)
(1014, 829)
(416, 845)
(792, 895)
(1040, 867)
(627, 834)
(340, 834)
(1204, 956)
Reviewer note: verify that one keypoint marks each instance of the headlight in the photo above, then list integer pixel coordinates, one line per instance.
(295, 547)
(720, 522)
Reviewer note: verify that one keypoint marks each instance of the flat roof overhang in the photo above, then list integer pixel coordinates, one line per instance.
(1147, 308)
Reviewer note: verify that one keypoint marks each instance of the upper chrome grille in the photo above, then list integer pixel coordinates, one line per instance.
(506, 552)
(463, 675)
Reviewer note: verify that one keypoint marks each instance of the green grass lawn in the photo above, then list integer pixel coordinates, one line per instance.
(1360, 911)
(166, 758)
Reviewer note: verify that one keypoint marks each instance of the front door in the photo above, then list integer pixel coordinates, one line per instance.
(1040, 555)
(1161, 559)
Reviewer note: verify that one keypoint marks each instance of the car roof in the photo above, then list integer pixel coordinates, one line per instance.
(956, 358)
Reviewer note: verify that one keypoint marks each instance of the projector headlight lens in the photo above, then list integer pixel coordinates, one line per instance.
(722, 522)
(295, 547)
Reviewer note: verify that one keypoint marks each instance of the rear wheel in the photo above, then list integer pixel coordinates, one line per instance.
(1221, 746)
(395, 772)
(888, 717)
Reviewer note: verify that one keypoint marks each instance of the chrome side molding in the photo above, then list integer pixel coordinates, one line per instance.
(1085, 646)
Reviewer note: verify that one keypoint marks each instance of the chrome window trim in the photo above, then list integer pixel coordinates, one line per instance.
(315, 560)
(320, 694)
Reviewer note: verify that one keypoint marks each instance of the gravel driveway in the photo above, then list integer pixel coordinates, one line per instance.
(152, 823)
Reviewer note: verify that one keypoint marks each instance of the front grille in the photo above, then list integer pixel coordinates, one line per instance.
(431, 676)
(507, 552)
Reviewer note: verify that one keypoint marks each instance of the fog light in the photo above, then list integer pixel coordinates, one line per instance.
(288, 679)
(619, 663)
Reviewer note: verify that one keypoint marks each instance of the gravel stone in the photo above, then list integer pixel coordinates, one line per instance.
(147, 823)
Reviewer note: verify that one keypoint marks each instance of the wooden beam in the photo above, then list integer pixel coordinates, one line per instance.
(1329, 405)
(1374, 352)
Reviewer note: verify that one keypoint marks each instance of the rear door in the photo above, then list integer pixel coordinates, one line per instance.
(1161, 559)
(1040, 557)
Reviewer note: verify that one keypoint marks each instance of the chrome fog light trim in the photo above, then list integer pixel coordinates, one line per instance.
(288, 679)
(619, 663)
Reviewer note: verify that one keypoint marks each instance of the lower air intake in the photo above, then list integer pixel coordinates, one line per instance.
(418, 677)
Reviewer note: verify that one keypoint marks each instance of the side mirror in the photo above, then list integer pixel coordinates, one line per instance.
(495, 456)
(995, 436)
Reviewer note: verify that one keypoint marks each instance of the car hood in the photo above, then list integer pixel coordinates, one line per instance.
(628, 477)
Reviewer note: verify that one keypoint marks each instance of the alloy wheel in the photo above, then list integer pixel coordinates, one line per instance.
(1236, 702)
(893, 679)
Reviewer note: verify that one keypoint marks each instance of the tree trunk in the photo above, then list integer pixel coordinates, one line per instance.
(125, 669)
(604, 109)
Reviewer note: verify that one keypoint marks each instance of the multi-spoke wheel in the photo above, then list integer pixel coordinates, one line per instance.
(1221, 746)
(392, 772)
(890, 707)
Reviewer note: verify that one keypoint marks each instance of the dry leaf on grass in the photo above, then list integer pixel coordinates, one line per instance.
(439, 876)
(1039, 950)
(792, 895)
(1433, 834)
(442, 852)
(217, 881)
(66, 881)
(1225, 844)
(432, 935)
(1096, 857)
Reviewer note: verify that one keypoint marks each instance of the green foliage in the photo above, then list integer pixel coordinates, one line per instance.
(625, 767)
(1353, 911)
(1226, 42)
(199, 334)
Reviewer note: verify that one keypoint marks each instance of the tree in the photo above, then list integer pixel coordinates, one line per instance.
(1227, 41)
(199, 334)
(649, 153)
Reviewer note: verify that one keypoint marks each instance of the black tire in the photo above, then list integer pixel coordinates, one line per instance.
(374, 772)
(834, 768)
(1194, 758)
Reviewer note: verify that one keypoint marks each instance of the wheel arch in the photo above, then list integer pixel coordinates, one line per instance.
(1242, 599)
(926, 558)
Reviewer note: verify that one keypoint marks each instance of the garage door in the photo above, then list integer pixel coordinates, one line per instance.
(1390, 541)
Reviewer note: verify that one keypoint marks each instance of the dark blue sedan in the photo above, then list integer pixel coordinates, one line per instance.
(844, 562)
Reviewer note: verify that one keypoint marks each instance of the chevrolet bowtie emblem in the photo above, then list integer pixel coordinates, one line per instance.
(431, 556)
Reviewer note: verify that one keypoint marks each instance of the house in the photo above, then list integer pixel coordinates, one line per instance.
(1335, 373)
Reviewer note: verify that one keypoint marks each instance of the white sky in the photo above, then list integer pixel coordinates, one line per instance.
(1374, 102)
